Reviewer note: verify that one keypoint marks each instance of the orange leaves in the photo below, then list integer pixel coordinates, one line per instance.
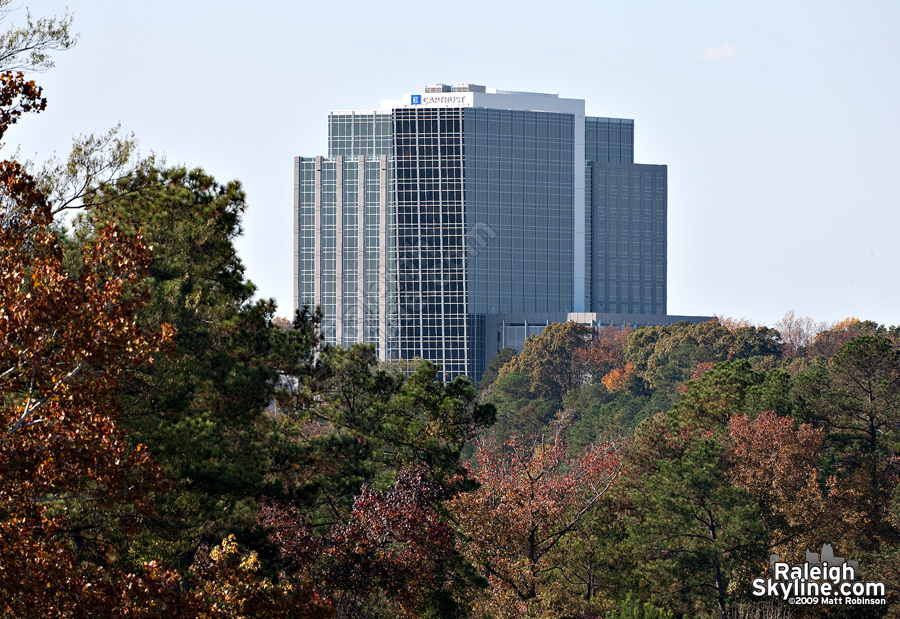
(605, 353)
(616, 379)
(533, 494)
(17, 96)
(770, 452)
(566, 355)
(777, 463)
(67, 333)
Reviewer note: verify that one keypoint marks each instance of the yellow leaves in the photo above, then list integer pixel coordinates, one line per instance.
(167, 331)
(846, 324)
(226, 549)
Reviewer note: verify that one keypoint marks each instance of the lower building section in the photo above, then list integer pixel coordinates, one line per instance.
(511, 330)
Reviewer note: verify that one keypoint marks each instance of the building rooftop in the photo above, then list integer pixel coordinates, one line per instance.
(476, 95)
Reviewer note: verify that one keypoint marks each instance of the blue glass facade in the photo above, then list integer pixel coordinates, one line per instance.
(519, 188)
(609, 140)
(431, 219)
(345, 257)
(628, 238)
(431, 237)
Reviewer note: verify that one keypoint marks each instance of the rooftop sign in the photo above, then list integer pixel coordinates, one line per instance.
(438, 99)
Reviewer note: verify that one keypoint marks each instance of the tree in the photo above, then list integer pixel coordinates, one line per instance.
(393, 555)
(66, 342)
(532, 497)
(750, 342)
(632, 608)
(370, 456)
(351, 412)
(729, 388)
(667, 356)
(798, 332)
(855, 397)
(597, 412)
(828, 342)
(29, 48)
(777, 463)
(68, 335)
(605, 354)
(199, 407)
(503, 356)
(519, 409)
(694, 488)
(691, 532)
(552, 361)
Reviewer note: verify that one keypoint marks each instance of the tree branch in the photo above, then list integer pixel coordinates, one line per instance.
(31, 409)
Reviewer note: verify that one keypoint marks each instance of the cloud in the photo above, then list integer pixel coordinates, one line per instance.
(718, 54)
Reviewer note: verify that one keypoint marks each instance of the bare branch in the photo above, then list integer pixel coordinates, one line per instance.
(10, 371)
(30, 408)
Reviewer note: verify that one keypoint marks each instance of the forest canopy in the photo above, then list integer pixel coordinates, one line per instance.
(171, 448)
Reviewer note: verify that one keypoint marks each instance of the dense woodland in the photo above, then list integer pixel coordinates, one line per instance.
(169, 448)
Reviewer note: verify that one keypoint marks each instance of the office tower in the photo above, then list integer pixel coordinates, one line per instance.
(435, 218)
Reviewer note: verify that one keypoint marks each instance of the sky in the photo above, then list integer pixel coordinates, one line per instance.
(778, 121)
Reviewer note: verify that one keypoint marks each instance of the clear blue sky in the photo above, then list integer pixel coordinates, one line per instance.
(778, 120)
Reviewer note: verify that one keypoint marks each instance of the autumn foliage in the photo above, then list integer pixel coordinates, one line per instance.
(566, 356)
(168, 448)
(776, 462)
(68, 334)
(514, 528)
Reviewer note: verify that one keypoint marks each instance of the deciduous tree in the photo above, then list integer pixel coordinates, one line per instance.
(798, 332)
(370, 456)
(777, 463)
(68, 335)
(532, 497)
(552, 359)
(691, 532)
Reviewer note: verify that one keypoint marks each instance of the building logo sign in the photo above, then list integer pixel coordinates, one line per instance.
(463, 99)
(446, 100)
(824, 579)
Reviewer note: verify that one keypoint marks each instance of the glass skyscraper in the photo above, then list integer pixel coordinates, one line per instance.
(434, 218)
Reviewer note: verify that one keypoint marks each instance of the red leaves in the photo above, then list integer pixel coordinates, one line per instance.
(770, 454)
(777, 464)
(394, 540)
(394, 546)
